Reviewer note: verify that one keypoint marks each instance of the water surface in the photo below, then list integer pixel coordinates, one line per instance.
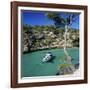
(31, 63)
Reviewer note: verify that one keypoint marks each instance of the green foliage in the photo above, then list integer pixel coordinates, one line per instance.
(62, 19)
(51, 15)
(27, 28)
(62, 66)
(59, 21)
(65, 65)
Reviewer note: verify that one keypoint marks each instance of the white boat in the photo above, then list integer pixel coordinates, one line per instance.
(47, 57)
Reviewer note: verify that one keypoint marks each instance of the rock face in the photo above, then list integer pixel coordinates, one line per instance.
(77, 66)
(35, 40)
(68, 68)
(26, 49)
(40, 37)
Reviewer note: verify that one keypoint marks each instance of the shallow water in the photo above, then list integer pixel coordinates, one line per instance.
(31, 63)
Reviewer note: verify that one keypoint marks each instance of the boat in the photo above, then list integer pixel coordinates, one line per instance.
(47, 57)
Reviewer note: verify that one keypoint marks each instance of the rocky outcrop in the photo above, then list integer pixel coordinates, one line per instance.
(35, 40)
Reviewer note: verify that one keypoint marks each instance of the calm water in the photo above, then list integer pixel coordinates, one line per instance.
(31, 64)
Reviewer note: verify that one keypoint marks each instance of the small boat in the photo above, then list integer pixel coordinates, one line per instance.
(47, 57)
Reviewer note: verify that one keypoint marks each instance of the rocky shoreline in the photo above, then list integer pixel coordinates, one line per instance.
(34, 40)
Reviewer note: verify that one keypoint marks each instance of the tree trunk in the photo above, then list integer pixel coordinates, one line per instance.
(68, 58)
(65, 38)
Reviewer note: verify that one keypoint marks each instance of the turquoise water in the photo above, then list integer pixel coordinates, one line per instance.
(31, 63)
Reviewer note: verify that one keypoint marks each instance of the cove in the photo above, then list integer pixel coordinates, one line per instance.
(31, 63)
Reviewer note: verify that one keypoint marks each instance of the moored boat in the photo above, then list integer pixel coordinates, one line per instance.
(47, 57)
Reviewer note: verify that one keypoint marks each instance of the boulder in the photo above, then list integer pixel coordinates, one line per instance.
(26, 49)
